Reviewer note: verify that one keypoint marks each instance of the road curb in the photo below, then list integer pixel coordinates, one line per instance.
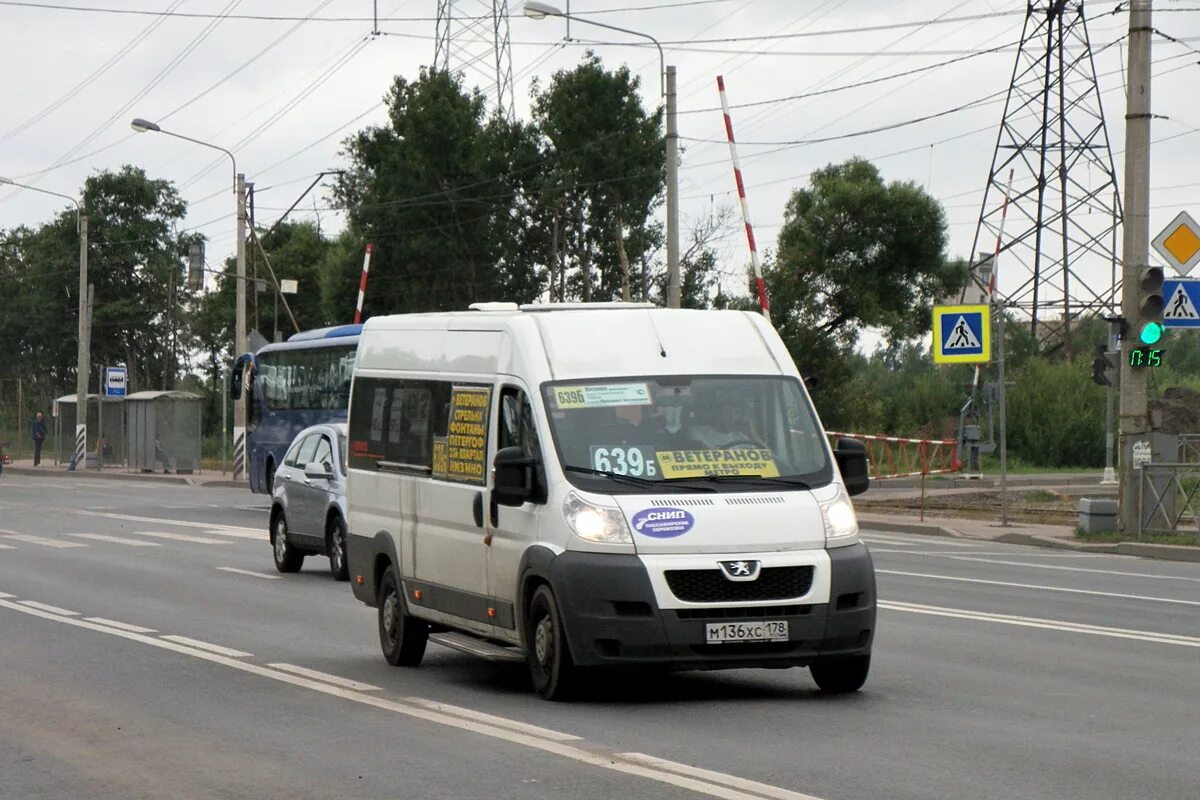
(177, 480)
(1162, 552)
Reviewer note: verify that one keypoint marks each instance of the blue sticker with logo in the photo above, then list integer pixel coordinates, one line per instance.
(663, 522)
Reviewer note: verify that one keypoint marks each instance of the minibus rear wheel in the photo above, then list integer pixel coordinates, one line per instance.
(401, 637)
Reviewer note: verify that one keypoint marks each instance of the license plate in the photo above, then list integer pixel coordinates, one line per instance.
(722, 632)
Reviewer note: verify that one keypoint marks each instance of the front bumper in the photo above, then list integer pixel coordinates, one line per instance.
(612, 617)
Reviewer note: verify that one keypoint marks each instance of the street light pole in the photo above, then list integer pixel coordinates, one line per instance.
(85, 328)
(240, 345)
(666, 81)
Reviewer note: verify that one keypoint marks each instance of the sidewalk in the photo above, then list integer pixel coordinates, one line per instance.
(48, 469)
(1056, 536)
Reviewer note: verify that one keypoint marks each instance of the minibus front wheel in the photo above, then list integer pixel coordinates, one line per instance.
(550, 664)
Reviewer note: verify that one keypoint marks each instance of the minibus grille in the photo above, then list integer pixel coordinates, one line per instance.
(711, 585)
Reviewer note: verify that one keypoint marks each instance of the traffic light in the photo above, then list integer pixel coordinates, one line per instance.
(1150, 304)
(1106, 367)
(195, 266)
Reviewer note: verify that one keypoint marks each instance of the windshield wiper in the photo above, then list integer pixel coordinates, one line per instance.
(758, 479)
(634, 480)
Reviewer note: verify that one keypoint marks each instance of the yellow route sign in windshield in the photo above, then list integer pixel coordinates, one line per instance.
(702, 463)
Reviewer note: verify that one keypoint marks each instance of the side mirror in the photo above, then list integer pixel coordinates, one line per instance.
(235, 375)
(811, 383)
(514, 477)
(318, 471)
(851, 456)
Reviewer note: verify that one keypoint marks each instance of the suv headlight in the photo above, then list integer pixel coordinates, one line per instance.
(841, 523)
(595, 523)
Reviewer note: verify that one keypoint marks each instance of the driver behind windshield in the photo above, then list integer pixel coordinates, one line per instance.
(722, 421)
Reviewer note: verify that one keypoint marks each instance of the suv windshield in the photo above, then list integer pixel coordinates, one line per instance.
(716, 433)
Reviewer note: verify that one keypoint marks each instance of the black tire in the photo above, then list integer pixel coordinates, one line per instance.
(841, 674)
(401, 637)
(287, 557)
(335, 548)
(555, 676)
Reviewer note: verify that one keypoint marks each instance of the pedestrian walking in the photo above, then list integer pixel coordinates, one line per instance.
(38, 433)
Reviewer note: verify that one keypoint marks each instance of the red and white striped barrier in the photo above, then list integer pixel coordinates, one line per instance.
(763, 303)
(900, 457)
(362, 284)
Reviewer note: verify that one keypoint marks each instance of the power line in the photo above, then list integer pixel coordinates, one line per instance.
(280, 18)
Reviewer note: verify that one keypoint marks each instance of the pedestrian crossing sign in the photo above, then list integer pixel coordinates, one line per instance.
(1182, 309)
(962, 334)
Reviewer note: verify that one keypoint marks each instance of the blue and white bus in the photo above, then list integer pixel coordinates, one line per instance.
(292, 385)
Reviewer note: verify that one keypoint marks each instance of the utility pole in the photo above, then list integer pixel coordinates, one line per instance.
(1134, 416)
(239, 343)
(81, 366)
(673, 281)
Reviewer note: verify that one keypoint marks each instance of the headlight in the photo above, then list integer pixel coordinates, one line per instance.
(841, 523)
(596, 523)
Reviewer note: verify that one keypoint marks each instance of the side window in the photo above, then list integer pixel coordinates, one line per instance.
(517, 429)
(290, 458)
(408, 424)
(304, 453)
(368, 423)
(324, 452)
(516, 422)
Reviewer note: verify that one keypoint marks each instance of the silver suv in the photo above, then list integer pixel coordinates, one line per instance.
(308, 502)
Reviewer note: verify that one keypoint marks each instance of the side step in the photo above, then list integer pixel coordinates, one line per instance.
(465, 643)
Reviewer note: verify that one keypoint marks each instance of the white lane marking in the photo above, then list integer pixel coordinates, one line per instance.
(892, 542)
(1076, 569)
(261, 536)
(30, 539)
(212, 648)
(675, 776)
(251, 573)
(180, 537)
(327, 678)
(100, 537)
(6, 596)
(1049, 624)
(125, 626)
(52, 609)
(162, 521)
(7, 547)
(1038, 587)
(766, 790)
(500, 722)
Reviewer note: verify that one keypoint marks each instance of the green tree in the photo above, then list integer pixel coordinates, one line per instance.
(855, 252)
(441, 193)
(605, 172)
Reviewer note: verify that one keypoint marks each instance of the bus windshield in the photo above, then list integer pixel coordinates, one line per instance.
(734, 432)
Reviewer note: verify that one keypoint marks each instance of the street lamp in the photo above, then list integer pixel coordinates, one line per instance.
(81, 366)
(534, 9)
(239, 190)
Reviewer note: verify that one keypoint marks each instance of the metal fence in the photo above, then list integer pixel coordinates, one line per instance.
(897, 457)
(1189, 448)
(1169, 499)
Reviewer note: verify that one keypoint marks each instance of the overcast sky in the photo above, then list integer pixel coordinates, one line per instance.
(74, 79)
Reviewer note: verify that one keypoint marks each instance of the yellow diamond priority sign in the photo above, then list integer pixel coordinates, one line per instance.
(1179, 243)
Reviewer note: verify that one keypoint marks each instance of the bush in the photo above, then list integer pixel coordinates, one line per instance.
(1056, 415)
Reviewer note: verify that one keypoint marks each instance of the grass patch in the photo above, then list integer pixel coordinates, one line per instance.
(1039, 496)
(1149, 538)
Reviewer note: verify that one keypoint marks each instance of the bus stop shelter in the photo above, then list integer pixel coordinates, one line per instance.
(106, 429)
(163, 430)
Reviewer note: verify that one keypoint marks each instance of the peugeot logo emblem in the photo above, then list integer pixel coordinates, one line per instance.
(740, 570)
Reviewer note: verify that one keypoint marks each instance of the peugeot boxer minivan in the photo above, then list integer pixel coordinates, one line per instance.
(603, 486)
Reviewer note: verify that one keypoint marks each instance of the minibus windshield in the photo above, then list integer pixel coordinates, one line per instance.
(718, 433)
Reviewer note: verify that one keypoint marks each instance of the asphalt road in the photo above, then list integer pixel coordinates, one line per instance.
(148, 649)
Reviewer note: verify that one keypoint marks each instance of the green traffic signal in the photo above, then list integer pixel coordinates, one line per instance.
(1151, 333)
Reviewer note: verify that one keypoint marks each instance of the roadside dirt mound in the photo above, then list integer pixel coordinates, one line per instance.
(1177, 411)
